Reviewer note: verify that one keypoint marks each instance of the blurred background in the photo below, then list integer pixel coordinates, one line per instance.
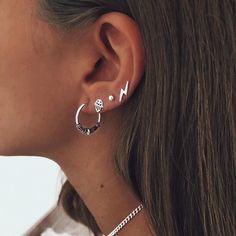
(29, 189)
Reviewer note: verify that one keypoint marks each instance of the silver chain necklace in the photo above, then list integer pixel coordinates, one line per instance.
(126, 220)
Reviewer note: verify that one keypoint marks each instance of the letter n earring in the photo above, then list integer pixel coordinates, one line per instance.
(85, 130)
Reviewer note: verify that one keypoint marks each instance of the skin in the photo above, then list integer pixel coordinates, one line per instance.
(45, 75)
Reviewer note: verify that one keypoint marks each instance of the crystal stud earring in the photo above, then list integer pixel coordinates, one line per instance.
(98, 105)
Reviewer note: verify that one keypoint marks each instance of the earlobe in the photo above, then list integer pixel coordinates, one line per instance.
(118, 42)
(99, 105)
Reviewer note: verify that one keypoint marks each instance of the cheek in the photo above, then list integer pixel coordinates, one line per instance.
(37, 97)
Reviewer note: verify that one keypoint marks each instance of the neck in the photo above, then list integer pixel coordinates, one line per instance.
(102, 190)
(87, 163)
(106, 198)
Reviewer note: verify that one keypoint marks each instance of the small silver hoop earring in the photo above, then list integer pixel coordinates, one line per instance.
(85, 130)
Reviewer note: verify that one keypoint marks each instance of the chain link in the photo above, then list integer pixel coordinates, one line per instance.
(126, 220)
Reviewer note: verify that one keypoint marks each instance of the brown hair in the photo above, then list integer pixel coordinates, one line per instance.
(178, 146)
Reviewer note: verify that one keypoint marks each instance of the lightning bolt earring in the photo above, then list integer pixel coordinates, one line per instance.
(124, 91)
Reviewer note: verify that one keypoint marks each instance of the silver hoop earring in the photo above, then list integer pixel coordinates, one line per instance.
(86, 130)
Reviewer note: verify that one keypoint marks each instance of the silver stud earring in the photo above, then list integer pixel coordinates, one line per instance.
(111, 98)
(124, 91)
(98, 105)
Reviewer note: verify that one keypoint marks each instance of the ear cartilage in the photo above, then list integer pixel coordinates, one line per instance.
(124, 91)
(98, 105)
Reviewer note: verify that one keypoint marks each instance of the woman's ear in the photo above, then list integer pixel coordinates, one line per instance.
(115, 61)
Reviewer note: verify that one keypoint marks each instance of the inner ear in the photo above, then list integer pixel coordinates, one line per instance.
(105, 28)
(97, 67)
(98, 63)
(107, 66)
(112, 39)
